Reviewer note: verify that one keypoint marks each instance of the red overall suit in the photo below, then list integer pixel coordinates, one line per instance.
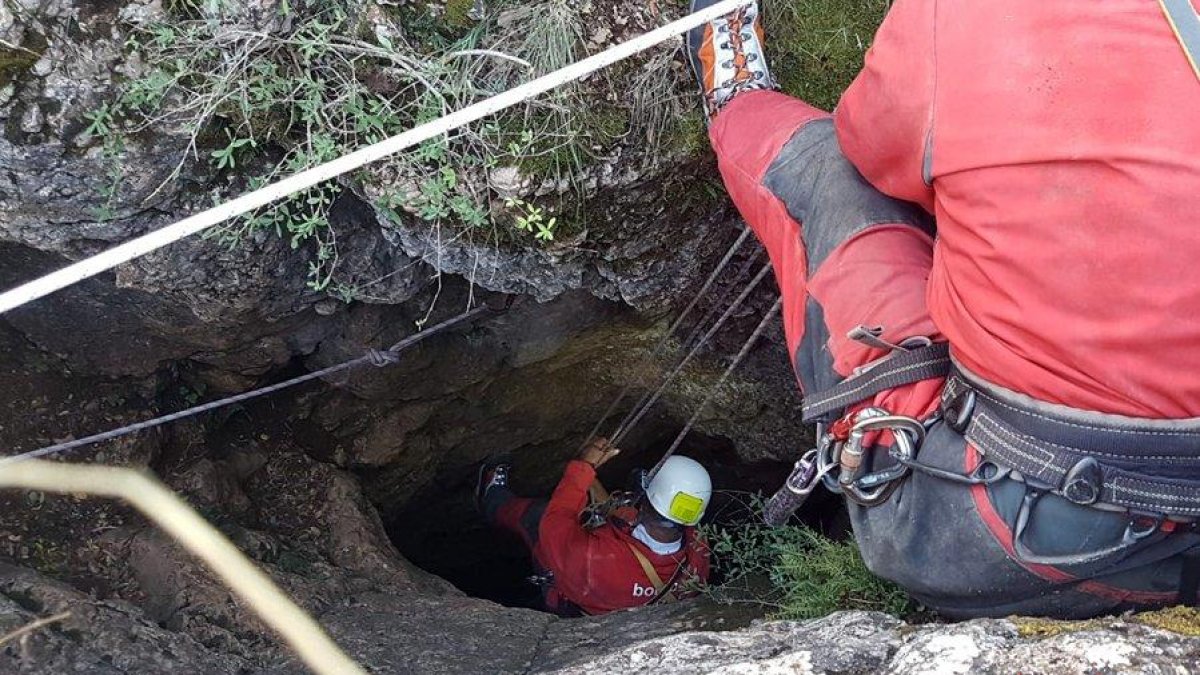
(1058, 146)
(593, 570)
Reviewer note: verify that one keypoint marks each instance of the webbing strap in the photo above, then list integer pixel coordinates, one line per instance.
(1185, 23)
(898, 370)
(648, 568)
(1056, 464)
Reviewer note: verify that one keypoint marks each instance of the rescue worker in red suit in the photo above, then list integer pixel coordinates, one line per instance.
(1003, 206)
(649, 553)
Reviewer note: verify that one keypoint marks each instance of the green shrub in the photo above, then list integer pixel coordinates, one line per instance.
(259, 105)
(795, 571)
(821, 576)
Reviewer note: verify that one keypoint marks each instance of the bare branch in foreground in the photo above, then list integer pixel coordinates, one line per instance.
(172, 514)
(31, 627)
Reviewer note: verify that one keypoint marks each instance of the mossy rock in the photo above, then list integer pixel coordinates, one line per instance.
(15, 62)
(815, 47)
(1035, 627)
(458, 14)
(1180, 620)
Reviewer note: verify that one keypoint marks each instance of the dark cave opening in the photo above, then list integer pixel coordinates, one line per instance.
(442, 532)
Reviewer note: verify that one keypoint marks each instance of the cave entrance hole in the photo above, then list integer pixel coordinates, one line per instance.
(442, 533)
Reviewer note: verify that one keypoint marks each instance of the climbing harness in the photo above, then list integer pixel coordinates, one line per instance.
(1087, 459)
(837, 460)
(598, 514)
(374, 357)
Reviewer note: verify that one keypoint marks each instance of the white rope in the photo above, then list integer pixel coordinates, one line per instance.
(117, 255)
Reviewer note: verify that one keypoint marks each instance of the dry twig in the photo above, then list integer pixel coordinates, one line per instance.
(32, 626)
(172, 514)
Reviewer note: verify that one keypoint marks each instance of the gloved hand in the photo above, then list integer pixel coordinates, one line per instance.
(598, 452)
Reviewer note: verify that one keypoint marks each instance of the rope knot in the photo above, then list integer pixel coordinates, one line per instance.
(382, 357)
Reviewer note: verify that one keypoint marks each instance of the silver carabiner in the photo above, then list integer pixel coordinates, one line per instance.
(908, 434)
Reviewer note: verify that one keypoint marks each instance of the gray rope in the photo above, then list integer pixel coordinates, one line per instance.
(658, 349)
(720, 301)
(375, 357)
(741, 355)
(689, 342)
(637, 414)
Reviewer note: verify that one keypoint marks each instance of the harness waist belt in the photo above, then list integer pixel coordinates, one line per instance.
(1145, 466)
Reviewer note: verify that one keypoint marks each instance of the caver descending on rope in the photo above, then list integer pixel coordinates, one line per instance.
(644, 553)
(1008, 398)
(595, 552)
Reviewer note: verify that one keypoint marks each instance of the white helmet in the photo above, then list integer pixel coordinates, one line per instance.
(680, 491)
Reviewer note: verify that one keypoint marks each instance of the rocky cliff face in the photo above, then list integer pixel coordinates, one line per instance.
(320, 485)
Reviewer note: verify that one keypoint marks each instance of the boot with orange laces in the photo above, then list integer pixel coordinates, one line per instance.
(727, 56)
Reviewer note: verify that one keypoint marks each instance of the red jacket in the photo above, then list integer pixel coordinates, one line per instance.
(595, 569)
(1058, 144)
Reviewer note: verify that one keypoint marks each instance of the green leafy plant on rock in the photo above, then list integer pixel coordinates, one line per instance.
(264, 98)
(797, 572)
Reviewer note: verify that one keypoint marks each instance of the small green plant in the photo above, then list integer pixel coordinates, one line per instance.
(226, 157)
(797, 572)
(531, 218)
(194, 394)
(263, 104)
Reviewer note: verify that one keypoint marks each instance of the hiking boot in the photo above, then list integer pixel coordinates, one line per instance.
(727, 56)
(491, 475)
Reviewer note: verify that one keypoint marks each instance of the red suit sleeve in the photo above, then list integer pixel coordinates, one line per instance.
(884, 121)
(560, 532)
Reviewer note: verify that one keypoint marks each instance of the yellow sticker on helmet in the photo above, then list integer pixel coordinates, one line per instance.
(686, 508)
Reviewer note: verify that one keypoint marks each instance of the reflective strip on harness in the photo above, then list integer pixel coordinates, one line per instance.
(902, 368)
(1185, 22)
(1082, 475)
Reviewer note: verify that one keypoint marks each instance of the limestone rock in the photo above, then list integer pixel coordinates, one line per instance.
(864, 642)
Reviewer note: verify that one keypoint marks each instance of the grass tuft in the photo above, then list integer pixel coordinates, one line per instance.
(822, 576)
(815, 47)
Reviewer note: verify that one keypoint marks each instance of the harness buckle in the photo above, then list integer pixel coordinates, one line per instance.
(958, 411)
(1083, 482)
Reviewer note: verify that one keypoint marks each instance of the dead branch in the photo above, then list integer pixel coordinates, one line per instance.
(172, 514)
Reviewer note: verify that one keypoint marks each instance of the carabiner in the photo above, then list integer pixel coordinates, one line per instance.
(804, 474)
(877, 487)
(1135, 533)
(796, 489)
(850, 458)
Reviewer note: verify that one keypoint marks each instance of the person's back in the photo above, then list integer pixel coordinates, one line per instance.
(599, 570)
(1047, 459)
(1063, 147)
